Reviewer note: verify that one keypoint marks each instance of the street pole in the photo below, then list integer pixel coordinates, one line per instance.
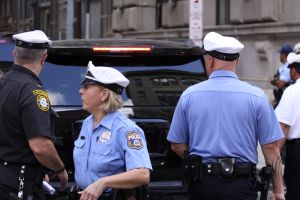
(196, 22)
(70, 18)
(87, 20)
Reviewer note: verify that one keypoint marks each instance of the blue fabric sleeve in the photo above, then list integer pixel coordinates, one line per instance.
(135, 149)
(268, 126)
(178, 132)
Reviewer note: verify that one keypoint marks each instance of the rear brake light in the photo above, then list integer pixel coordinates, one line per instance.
(123, 49)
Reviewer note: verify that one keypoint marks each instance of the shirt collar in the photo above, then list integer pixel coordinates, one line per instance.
(26, 71)
(223, 73)
(108, 120)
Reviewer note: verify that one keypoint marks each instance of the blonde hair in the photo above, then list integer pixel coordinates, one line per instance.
(113, 102)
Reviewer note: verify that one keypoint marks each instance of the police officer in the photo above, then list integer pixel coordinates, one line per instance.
(111, 150)
(25, 139)
(218, 122)
(288, 114)
(282, 78)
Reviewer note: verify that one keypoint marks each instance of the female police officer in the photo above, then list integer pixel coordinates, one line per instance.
(111, 150)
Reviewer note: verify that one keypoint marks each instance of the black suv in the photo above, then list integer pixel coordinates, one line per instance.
(159, 71)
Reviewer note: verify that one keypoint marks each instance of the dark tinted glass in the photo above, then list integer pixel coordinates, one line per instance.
(149, 85)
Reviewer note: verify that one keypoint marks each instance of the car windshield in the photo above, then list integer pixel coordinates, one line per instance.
(149, 85)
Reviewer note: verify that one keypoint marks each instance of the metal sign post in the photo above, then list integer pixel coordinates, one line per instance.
(196, 24)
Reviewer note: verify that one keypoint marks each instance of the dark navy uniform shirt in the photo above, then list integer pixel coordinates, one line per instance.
(24, 113)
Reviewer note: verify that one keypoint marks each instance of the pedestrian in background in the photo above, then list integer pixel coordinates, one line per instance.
(288, 114)
(26, 144)
(218, 123)
(111, 150)
(282, 78)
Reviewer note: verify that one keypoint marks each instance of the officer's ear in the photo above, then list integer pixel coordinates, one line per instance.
(105, 94)
(44, 57)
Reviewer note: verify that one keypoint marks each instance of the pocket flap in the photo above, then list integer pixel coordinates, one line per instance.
(79, 143)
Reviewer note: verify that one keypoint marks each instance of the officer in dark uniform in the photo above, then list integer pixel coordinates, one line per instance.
(25, 138)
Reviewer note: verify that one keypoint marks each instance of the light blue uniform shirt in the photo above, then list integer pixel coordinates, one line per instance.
(116, 145)
(224, 117)
(284, 72)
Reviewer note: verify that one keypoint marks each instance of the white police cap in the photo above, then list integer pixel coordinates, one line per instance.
(107, 77)
(222, 47)
(32, 40)
(293, 59)
(296, 48)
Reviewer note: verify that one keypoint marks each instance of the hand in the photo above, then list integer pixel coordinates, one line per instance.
(278, 196)
(46, 178)
(273, 82)
(93, 191)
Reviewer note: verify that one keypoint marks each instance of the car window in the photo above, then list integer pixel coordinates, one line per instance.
(149, 85)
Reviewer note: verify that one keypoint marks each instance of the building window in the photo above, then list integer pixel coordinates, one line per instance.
(223, 12)
(164, 81)
(142, 96)
(159, 15)
(138, 82)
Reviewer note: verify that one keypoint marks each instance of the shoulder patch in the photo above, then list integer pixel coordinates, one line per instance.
(134, 140)
(42, 99)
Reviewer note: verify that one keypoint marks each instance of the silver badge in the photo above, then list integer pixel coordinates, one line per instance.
(105, 137)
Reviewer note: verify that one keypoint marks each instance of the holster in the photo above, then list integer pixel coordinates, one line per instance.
(22, 179)
(263, 181)
(192, 167)
(226, 168)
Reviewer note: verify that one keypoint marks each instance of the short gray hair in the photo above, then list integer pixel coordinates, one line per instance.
(29, 55)
(113, 102)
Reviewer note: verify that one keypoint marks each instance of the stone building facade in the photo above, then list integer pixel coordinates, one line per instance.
(262, 25)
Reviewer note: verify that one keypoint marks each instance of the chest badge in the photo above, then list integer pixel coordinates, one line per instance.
(134, 140)
(105, 136)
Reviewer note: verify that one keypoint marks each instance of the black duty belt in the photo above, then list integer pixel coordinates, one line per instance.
(240, 169)
(293, 141)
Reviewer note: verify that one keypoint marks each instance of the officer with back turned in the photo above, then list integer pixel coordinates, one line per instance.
(25, 138)
(218, 123)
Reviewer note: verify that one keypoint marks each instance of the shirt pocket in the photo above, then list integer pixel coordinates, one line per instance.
(79, 143)
(102, 149)
(79, 153)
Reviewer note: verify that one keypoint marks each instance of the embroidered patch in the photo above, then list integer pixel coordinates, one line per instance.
(134, 140)
(105, 137)
(42, 99)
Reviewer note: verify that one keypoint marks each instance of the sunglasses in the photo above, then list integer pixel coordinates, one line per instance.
(88, 85)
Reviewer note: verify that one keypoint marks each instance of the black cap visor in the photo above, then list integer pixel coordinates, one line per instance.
(296, 64)
(223, 56)
(29, 45)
